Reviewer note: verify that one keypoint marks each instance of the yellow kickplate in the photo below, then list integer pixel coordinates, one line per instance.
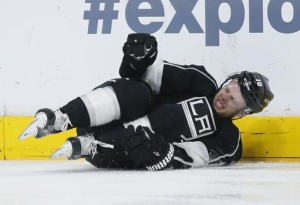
(275, 137)
(1, 139)
(29, 148)
(264, 138)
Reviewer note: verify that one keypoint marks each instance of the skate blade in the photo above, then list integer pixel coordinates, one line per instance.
(30, 131)
(64, 151)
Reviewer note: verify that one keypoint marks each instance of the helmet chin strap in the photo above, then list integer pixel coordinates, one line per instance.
(242, 113)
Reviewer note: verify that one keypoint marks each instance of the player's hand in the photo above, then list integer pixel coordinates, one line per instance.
(146, 147)
(141, 50)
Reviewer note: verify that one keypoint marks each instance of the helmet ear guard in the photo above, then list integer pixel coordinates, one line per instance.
(255, 90)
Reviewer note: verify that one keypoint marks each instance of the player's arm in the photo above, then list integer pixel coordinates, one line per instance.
(140, 61)
(224, 146)
(168, 78)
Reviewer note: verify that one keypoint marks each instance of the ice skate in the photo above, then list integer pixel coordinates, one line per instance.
(46, 122)
(77, 147)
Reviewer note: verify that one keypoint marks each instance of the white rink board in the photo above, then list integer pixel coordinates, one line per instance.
(77, 182)
(47, 56)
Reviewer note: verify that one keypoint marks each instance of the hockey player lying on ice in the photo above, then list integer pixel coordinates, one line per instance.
(159, 115)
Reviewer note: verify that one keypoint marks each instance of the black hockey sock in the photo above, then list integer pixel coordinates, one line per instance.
(77, 112)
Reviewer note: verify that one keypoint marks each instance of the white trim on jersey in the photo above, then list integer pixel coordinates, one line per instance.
(195, 150)
(102, 105)
(189, 120)
(191, 68)
(153, 75)
(143, 121)
(230, 154)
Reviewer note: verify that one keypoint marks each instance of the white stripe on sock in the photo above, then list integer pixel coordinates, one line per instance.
(102, 105)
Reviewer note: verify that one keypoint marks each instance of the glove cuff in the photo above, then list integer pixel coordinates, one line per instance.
(164, 162)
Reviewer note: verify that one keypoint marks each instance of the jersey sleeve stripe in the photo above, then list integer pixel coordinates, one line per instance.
(195, 150)
(153, 75)
(191, 68)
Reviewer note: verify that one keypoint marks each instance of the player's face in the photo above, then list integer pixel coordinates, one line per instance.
(229, 100)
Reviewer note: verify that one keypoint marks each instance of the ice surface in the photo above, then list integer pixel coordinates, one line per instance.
(77, 182)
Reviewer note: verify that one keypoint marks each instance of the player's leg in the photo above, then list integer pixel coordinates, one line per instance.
(101, 146)
(80, 147)
(118, 99)
(111, 159)
(89, 144)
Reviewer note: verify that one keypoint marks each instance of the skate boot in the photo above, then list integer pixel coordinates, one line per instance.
(46, 122)
(78, 147)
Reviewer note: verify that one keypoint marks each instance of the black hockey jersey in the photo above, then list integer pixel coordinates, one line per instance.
(185, 115)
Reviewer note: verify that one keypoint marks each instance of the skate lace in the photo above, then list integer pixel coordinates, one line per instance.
(62, 121)
(89, 145)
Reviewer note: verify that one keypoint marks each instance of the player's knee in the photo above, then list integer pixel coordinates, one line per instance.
(135, 98)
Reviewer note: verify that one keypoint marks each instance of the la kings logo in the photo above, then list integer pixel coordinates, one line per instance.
(199, 117)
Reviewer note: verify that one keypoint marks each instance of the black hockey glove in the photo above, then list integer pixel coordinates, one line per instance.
(140, 50)
(147, 148)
